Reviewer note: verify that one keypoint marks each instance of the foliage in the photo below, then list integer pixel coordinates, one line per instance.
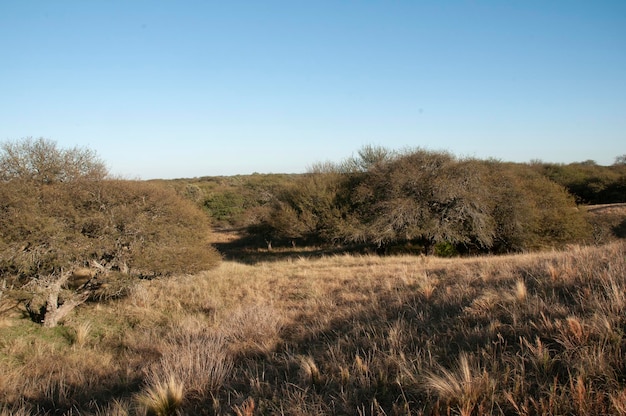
(233, 201)
(223, 206)
(143, 228)
(58, 214)
(42, 161)
(445, 249)
(385, 198)
(589, 182)
(532, 212)
(423, 196)
(308, 208)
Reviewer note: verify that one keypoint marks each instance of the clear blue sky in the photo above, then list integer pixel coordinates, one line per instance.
(164, 89)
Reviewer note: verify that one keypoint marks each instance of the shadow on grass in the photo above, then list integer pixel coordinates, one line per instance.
(358, 357)
(620, 229)
(252, 249)
(72, 398)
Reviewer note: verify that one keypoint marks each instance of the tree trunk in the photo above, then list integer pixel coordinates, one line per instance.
(56, 312)
(50, 313)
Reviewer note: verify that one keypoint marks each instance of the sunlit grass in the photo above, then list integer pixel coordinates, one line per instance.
(347, 334)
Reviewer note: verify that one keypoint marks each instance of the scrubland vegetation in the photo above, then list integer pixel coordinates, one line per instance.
(114, 301)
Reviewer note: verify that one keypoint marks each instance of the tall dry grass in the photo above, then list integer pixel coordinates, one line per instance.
(528, 334)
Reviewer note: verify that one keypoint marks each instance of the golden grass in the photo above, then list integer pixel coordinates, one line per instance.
(539, 333)
(467, 386)
(162, 397)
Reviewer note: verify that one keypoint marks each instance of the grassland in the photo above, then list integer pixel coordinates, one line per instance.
(525, 334)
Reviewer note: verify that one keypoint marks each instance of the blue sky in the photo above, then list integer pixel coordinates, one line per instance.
(164, 89)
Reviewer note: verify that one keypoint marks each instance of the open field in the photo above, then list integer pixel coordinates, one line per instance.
(523, 334)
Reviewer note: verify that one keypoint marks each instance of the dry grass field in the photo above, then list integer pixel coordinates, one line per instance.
(526, 334)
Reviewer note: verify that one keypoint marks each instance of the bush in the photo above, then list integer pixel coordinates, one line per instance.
(225, 206)
(308, 208)
(532, 212)
(57, 212)
(137, 227)
(431, 199)
(445, 249)
(589, 182)
(428, 196)
(41, 161)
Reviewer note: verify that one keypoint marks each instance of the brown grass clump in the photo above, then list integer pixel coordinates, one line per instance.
(468, 385)
(198, 360)
(162, 397)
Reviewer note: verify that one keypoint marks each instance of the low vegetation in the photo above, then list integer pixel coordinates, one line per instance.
(516, 335)
(432, 201)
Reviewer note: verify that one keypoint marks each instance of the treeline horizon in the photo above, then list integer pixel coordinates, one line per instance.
(432, 200)
(588, 181)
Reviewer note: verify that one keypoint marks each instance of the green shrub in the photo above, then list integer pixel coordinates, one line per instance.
(226, 206)
(445, 249)
(532, 212)
(589, 182)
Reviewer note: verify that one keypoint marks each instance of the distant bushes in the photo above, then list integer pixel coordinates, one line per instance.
(234, 201)
(433, 199)
(588, 181)
(52, 223)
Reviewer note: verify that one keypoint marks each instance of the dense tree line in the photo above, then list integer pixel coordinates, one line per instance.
(430, 199)
(589, 182)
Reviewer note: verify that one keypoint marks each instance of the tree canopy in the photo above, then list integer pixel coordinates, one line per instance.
(41, 160)
(382, 198)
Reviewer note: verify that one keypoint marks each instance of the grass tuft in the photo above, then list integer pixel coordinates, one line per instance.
(162, 397)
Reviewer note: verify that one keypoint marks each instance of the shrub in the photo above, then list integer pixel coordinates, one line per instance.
(532, 212)
(136, 227)
(445, 249)
(62, 225)
(40, 160)
(429, 198)
(309, 208)
(225, 206)
(589, 182)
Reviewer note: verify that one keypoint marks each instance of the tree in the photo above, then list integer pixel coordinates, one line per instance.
(67, 234)
(620, 160)
(42, 161)
(429, 198)
(426, 196)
